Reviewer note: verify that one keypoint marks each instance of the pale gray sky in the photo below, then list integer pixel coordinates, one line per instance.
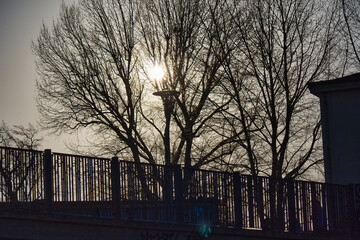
(20, 22)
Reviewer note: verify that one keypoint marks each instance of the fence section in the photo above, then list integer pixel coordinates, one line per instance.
(208, 197)
(147, 192)
(21, 175)
(297, 206)
(81, 185)
(78, 178)
(110, 188)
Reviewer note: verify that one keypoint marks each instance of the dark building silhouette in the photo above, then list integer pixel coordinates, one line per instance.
(340, 118)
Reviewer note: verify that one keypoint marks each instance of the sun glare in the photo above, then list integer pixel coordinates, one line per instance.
(156, 73)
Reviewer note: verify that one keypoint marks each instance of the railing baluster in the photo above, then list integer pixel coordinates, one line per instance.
(237, 199)
(179, 196)
(314, 207)
(216, 197)
(273, 214)
(115, 183)
(259, 200)
(351, 208)
(303, 202)
(291, 205)
(324, 207)
(250, 201)
(48, 179)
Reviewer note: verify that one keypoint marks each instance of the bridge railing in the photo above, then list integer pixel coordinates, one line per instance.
(21, 175)
(64, 183)
(146, 191)
(289, 205)
(209, 197)
(79, 178)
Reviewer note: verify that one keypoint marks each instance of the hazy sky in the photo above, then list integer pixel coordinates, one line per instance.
(20, 22)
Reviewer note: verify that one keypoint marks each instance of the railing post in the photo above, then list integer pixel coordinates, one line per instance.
(259, 196)
(48, 179)
(237, 199)
(280, 205)
(352, 208)
(356, 198)
(325, 207)
(115, 185)
(273, 223)
(168, 190)
(315, 204)
(250, 196)
(331, 200)
(217, 202)
(305, 210)
(179, 196)
(291, 204)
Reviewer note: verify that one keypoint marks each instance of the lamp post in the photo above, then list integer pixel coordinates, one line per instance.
(167, 97)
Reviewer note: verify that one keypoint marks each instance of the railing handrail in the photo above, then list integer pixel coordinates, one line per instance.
(81, 156)
(21, 149)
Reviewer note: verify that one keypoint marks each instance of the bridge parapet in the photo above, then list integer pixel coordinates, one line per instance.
(70, 227)
(48, 183)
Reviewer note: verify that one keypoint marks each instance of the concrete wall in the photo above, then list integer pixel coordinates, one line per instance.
(56, 227)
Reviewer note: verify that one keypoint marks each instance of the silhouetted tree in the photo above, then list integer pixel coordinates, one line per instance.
(241, 69)
(183, 37)
(92, 65)
(278, 48)
(350, 28)
(88, 63)
(20, 136)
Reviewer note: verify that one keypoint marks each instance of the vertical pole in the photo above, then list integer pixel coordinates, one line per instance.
(331, 206)
(115, 185)
(250, 200)
(280, 205)
(259, 196)
(167, 109)
(273, 213)
(325, 207)
(291, 204)
(179, 199)
(304, 201)
(48, 179)
(315, 204)
(351, 208)
(167, 176)
(217, 202)
(237, 199)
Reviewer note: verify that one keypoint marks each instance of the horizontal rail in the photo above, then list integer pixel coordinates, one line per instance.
(21, 149)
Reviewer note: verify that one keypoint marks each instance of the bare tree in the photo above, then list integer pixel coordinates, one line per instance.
(20, 136)
(91, 66)
(240, 67)
(18, 168)
(88, 65)
(183, 37)
(350, 28)
(278, 47)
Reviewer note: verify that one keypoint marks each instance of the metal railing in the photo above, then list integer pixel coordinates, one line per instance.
(79, 178)
(21, 175)
(64, 183)
(296, 206)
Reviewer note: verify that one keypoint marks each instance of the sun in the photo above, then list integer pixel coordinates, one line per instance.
(156, 73)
